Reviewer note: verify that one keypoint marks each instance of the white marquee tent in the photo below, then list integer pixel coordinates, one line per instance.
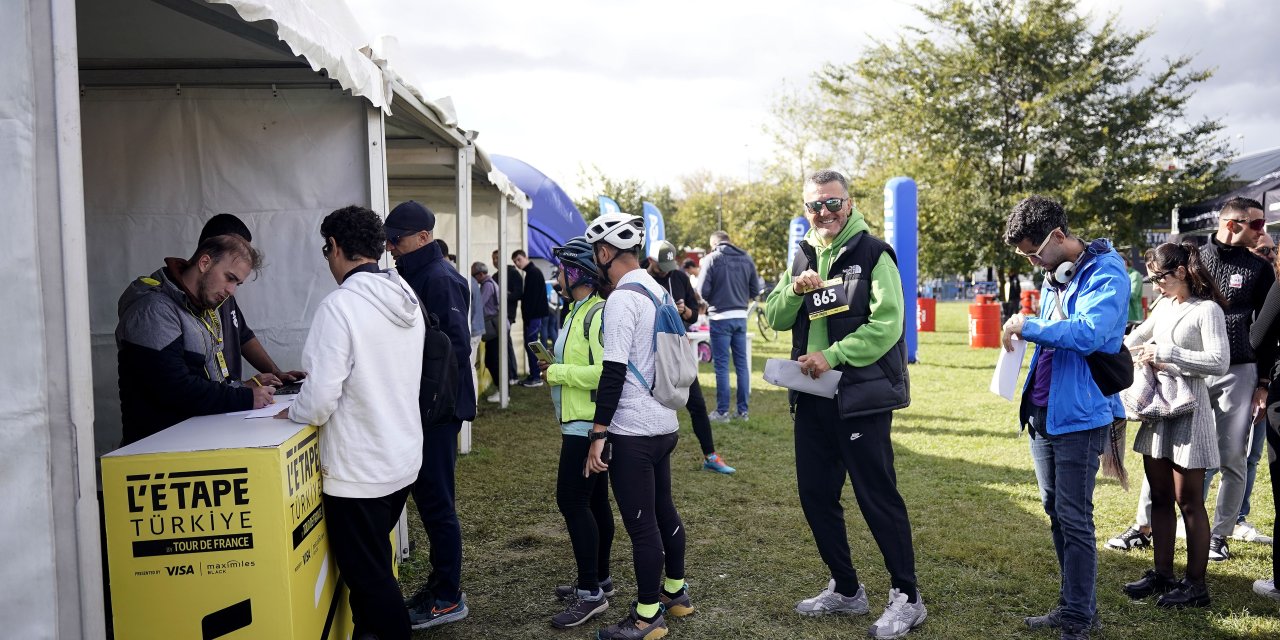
(130, 123)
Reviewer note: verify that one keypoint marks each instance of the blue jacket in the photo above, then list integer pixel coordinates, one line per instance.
(1097, 307)
(444, 292)
(729, 279)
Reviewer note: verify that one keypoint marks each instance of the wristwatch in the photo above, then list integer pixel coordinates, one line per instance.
(597, 435)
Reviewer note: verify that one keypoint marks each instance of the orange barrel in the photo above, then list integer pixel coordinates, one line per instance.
(983, 298)
(926, 314)
(984, 326)
(1028, 301)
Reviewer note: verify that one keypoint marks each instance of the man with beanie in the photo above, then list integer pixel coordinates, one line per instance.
(370, 432)
(444, 293)
(240, 339)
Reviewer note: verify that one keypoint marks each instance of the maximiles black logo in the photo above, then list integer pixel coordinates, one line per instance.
(190, 504)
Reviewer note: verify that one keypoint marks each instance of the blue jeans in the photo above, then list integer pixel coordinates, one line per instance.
(1066, 466)
(729, 335)
(532, 333)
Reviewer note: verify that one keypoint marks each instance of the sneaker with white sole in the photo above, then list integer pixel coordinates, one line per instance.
(717, 416)
(899, 617)
(1218, 549)
(438, 612)
(1132, 538)
(829, 603)
(1266, 589)
(496, 397)
(583, 606)
(566, 591)
(1246, 532)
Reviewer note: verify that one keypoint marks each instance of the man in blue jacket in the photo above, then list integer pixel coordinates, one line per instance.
(444, 293)
(1084, 309)
(729, 283)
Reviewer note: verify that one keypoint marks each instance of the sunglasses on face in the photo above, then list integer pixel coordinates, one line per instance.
(832, 204)
(1267, 252)
(1257, 225)
(1039, 250)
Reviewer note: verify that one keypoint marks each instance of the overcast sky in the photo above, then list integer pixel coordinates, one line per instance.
(659, 89)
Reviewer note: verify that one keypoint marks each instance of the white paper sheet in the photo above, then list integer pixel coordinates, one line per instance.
(271, 410)
(786, 373)
(1004, 382)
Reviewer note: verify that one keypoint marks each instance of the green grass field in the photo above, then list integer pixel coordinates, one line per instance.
(983, 553)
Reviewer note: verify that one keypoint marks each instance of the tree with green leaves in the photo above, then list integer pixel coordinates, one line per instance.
(994, 100)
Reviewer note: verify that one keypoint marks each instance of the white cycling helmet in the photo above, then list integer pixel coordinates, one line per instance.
(622, 230)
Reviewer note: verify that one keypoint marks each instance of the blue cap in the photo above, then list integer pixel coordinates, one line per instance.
(409, 217)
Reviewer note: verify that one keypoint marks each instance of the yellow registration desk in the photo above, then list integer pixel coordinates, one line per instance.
(215, 529)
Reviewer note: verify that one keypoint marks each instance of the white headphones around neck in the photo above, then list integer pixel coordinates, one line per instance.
(1062, 276)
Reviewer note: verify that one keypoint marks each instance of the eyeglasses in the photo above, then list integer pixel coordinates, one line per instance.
(1039, 250)
(832, 204)
(1155, 278)
(1257, 224)
(1266, 252)
(326, 249)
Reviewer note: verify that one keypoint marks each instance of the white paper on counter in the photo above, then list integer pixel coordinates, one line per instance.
(271, 410)
(1004, 382)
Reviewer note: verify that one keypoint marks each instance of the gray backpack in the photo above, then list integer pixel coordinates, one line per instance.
(675, 364)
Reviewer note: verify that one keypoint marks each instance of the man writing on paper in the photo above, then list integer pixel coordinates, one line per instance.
(171, 339)
(1084, 308)
(842, 300)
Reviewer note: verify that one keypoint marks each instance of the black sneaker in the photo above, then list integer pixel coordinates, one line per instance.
(633, 627)
(1074, 632)
(531, 382)
(1150, 584)
(566, 591)
(1218, 550)
(581, 609)
(1053, 620)
(1132, 538)
(423, 595)
(1186, 595)
(438, 612)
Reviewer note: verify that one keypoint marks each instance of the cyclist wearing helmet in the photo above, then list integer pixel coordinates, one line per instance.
(583, 498)
(642, 432)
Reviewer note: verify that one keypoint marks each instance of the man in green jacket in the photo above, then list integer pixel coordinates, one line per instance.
(842, 299)
(1135, 293)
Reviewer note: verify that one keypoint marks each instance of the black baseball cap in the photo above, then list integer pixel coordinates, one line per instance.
(409, 217)
(665, 254)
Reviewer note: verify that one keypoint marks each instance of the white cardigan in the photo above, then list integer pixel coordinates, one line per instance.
(363, 359)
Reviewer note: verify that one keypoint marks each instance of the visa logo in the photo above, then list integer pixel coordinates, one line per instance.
(181, 570)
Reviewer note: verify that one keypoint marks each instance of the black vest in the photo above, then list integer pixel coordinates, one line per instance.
(877, 388)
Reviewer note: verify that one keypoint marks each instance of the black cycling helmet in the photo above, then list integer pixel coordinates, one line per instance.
(577, 252)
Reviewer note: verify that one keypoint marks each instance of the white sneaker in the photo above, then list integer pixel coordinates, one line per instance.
(828, 603)
(1246, 532)
(496, 397)
(1266, 589)
(899, 618)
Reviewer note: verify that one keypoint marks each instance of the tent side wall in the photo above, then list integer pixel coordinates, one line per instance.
(49, 553)
(160, 162)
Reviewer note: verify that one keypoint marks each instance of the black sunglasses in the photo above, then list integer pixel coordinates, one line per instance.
(832, 204)
(1157, 277)
(1257, 224)
(326, 249)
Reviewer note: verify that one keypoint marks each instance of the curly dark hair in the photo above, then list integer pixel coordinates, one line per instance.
(1169, 256)
(357, 230)
(1034, 219)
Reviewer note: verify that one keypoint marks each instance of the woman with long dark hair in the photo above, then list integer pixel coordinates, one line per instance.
(1186, 336)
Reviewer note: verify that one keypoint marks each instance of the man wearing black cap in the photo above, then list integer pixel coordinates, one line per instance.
(444, 293)
(240, 339)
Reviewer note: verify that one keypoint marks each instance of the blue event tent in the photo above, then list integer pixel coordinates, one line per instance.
(552, 217)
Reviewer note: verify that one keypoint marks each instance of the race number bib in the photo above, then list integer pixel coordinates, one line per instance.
(830, 299)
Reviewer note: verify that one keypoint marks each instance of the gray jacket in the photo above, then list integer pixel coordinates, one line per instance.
(729, 279)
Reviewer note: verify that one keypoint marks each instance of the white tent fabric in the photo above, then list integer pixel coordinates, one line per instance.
(158, 165)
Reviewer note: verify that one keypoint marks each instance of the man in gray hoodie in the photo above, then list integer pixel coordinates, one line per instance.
(729, 283)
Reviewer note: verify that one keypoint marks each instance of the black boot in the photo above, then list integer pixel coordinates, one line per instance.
(1188, 594)
(1151, 584)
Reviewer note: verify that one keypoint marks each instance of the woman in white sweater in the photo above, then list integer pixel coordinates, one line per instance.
(1186, 335)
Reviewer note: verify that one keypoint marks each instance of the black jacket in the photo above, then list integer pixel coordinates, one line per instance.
(515, 288)
(533, 304)
(444, 292)
(677, 283)
(166, 358)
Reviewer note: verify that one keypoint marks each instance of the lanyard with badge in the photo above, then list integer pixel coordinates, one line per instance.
(215, 330)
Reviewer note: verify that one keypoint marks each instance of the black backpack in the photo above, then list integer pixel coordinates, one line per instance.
(438, 395)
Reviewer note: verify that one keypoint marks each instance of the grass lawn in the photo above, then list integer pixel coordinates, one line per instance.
(983, 552)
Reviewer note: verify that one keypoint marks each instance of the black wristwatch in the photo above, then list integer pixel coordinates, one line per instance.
(597, 435)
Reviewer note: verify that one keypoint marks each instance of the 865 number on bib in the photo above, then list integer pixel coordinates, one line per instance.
(830, 299)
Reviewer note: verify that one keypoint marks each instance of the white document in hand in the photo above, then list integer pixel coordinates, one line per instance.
(786, 373)
(1008, 365)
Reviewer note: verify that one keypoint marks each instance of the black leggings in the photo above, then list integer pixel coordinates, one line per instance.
(641, 470)
(584, 503)
(1273, 446)
(1169, 484)
(697, 407)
